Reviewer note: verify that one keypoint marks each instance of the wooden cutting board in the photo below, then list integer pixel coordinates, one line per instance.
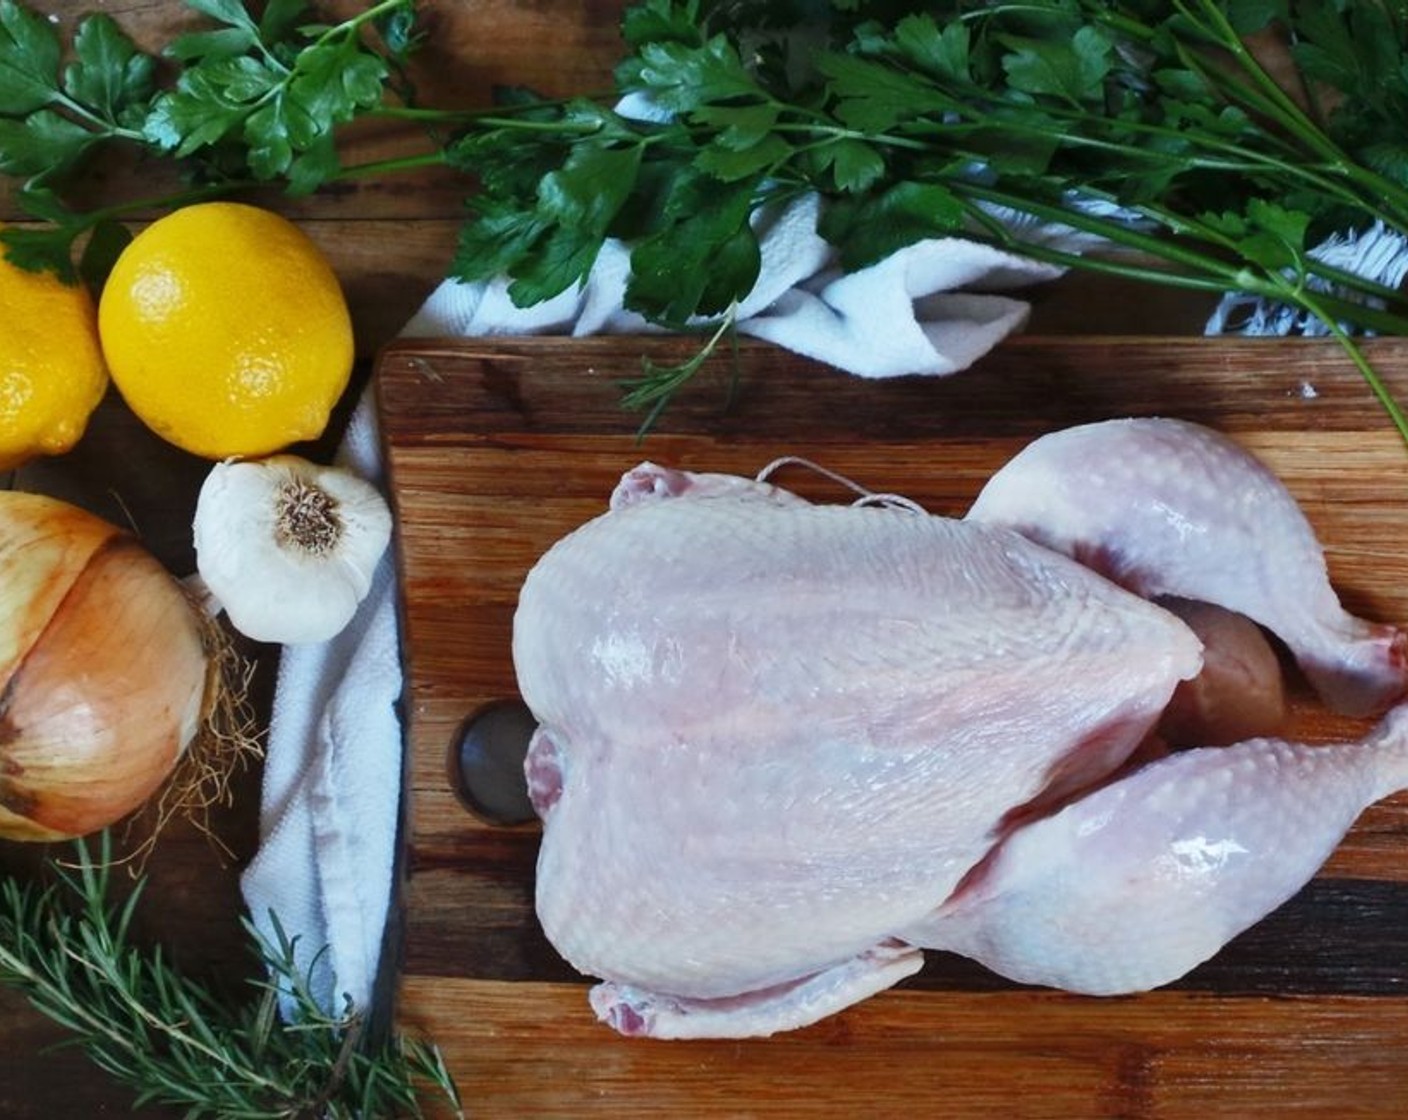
(495, 449)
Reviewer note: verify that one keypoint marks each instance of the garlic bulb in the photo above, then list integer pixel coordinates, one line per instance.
(287, 547)
(103, 666)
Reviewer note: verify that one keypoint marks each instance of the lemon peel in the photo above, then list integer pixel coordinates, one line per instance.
(52, 374)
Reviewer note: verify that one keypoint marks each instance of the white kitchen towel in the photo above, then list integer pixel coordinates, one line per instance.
(332, 772)
(926, 309)
(329, 808)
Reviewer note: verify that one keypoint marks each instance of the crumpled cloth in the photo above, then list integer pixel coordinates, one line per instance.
(928, 308)
(328, 808)
(329, 812)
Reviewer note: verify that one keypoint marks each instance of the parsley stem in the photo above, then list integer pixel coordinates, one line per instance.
(1117, 231)
(498, 116)
(1276, 99)
(1366, 369)
(392, 165)
(1267, 96)
(105, 128)
(1204, 272)
(200, 193)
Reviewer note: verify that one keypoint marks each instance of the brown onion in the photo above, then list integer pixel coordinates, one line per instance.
(103, 670)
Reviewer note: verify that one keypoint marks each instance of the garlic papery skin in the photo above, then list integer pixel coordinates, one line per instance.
(104, 671)
(287, 547)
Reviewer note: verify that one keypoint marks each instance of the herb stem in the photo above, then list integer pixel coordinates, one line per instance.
(392, 165)
(1204, 272)
(1312, 303)
(104, 129)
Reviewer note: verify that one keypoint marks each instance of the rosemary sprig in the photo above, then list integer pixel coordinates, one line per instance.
(657, 384)
(175, 1041)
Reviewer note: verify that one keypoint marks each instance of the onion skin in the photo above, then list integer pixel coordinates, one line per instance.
(103, 666)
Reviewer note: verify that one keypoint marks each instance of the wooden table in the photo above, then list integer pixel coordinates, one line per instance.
(390, 241)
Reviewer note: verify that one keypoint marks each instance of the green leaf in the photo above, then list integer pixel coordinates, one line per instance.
(182, 122)
(46, 249)
(225, 81)
(280, 18)
(680, 77)
(210, 102)
(334, 81)
(1073, 70)
(224, 42)
(29, 60)
(1389, 158)
(733, 271)
(230, 12)
(590, 187)
(577, 204)
(855, 165)
(873, 97)
(41, 202)
(494, 241)
(740, 126)
(270, 150)
(698, 261)
(556, 261)
(730, 164)
(869, 228)
(105, 245)
(657, 21)
(43, 142)
(1250, 16)
(1265, 233)
(313, 166)
(943, 53)
(108, 72)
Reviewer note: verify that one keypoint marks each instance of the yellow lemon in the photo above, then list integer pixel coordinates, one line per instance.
(226, 331)
(51, 366)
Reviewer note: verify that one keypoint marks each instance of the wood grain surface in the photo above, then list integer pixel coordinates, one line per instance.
(498, 448)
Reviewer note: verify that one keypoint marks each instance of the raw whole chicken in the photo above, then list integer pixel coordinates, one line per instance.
(783, 748)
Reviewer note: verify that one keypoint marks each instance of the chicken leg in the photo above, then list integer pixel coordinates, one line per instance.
(1133, 885)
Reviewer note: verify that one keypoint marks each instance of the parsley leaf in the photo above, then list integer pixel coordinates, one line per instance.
(29, 60)
(109, 74)
(276, 89)
(43, 143)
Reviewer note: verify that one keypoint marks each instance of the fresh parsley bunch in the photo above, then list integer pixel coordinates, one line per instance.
(1151, 127)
